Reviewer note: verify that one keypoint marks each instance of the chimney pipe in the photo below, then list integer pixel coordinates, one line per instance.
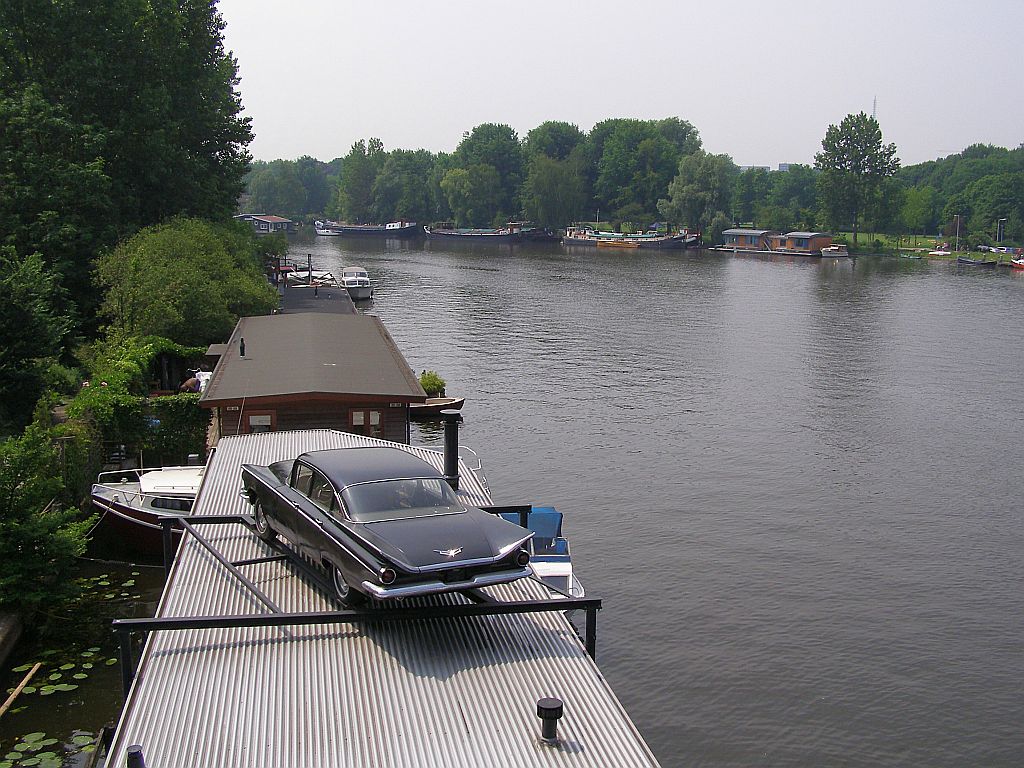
(241, 347)
(549, 711)
(451, 447)
(134, 758)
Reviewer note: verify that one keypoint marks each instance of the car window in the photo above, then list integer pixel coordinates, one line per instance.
(321, 492)
(393, 499)
(303, 477)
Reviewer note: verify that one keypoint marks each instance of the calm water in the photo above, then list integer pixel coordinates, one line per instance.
(793, 483)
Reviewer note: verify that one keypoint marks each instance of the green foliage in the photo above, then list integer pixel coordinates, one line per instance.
(115, 397)
(359, 170)
(39, 538)
(33, 330)
(432, 383)
(853, 163)
(496, 147)
(474, 195)
(700, 191)
(402, 187)
(187, 280)
(181, 430)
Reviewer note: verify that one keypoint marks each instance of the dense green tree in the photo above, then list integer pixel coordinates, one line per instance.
(554, 193)
(752, 189)
(985, 201)
(39, 537)
(474, 195)
(553, 139)
(497, 146)
(276, 188)
(54, 193)
(701, 192)
(402, 188)
(187, 280)
(33, 327)
(920, 212)
(359, 170)
(314, 177)
(853, 163)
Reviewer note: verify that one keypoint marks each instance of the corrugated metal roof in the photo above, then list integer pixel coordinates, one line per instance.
(741, 231)
(808, 234)
(309, 353)
(443, 692)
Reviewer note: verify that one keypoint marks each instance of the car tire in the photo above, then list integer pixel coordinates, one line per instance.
(345, 592)
(262, 524)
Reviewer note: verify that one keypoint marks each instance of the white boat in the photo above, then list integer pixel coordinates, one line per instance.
(356, 281)
(312, 277)
(327, 228)
(550, 558)
(830, 251)
(137, 500)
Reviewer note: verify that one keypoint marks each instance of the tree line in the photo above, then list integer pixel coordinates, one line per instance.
(122, 157)
(640, 171)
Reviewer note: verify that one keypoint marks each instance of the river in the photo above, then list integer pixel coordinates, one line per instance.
(793, 483)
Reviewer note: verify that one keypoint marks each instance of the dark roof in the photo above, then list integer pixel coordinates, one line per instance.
(347, 466)
(311, 354)
(308, 298)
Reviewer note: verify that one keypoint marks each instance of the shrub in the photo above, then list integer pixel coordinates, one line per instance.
(432, 383)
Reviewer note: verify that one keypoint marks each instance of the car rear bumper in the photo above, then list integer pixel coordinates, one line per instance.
(436, 586)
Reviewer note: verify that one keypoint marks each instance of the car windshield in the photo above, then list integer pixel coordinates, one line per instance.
(395, 499)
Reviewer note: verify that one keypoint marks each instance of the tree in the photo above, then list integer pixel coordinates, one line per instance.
(402, 188)
(277, 188)
(39, 538)
(919, 209)
(701, 192)
(187, 280)
(753, 187)
(496, 146)
(355, 184)
(33, 328)
(553, 139)
(474, 194)
(853, 163)
(553, 194)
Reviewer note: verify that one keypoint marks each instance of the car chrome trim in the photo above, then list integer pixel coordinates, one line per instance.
(434, 587)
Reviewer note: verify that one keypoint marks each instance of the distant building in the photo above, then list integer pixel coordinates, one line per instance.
(265, 224)
(754, 168)
(785, 166)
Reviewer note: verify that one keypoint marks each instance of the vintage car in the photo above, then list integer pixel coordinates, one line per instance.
(384, 523)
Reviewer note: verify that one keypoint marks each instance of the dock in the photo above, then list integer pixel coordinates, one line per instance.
(449, 687)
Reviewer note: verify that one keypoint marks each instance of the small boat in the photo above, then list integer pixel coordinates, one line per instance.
(391, 229)
(587, 235)
(356, 281)
(136, 500)
(434, 405)
(312, 277)
(511, 233)
(550, 558)
(911, 256)
(1017, 263)
(966, 260)
(939, 253)
(830, 251)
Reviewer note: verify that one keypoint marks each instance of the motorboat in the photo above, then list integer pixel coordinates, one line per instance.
(550, 558)
(433, 406)
(136, 501)
(356, 281)
(312, 277)
(837, 251)
(1017, 263)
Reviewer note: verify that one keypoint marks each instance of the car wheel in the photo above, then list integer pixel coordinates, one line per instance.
(346, 593)
(263, 529)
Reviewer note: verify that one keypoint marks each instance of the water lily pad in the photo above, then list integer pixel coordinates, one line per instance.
(66, 667)
(48, 742)
(46, 690)
(82, 739)
(23, 747)
(93, 649)
(88, 748)
(33, 737)
(87, 654)
(66, 687)
(30, 761)
(129, 583)
(55, 676)
(29, 689)
(50, 652)
(103, 583)
(6, 764)
(80, 676)
(110, 662)
(88, 665)
(47, 755)
(22, 668)
(136, 573)
(13, 756)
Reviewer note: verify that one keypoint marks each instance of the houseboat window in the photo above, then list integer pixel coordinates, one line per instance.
(260, 423)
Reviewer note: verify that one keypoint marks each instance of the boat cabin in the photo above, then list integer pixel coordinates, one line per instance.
(810, 243)
(312, 370)
(264, 224)
(742, 239)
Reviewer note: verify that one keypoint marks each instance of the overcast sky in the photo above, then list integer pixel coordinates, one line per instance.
(760, 79)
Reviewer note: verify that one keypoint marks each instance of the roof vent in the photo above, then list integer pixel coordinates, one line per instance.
(549, 711)
(451, 447)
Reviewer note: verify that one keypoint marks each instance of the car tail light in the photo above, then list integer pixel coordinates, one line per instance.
(388, 575)
(523, 557)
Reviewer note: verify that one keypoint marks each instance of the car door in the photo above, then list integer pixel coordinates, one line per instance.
(312, 518)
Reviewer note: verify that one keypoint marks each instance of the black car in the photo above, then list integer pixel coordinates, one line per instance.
(384, 523)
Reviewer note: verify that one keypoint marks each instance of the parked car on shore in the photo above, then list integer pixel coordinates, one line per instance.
(384, 523)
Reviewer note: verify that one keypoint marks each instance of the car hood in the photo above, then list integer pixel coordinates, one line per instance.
(434, 541)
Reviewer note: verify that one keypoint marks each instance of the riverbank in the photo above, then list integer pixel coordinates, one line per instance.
(10, 634)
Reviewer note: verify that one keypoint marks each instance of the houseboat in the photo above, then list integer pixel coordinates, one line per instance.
(396, 229)
(770, 241)
(587, 235)
(510, 233)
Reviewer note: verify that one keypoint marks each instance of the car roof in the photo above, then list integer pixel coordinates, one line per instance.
(347, 466)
